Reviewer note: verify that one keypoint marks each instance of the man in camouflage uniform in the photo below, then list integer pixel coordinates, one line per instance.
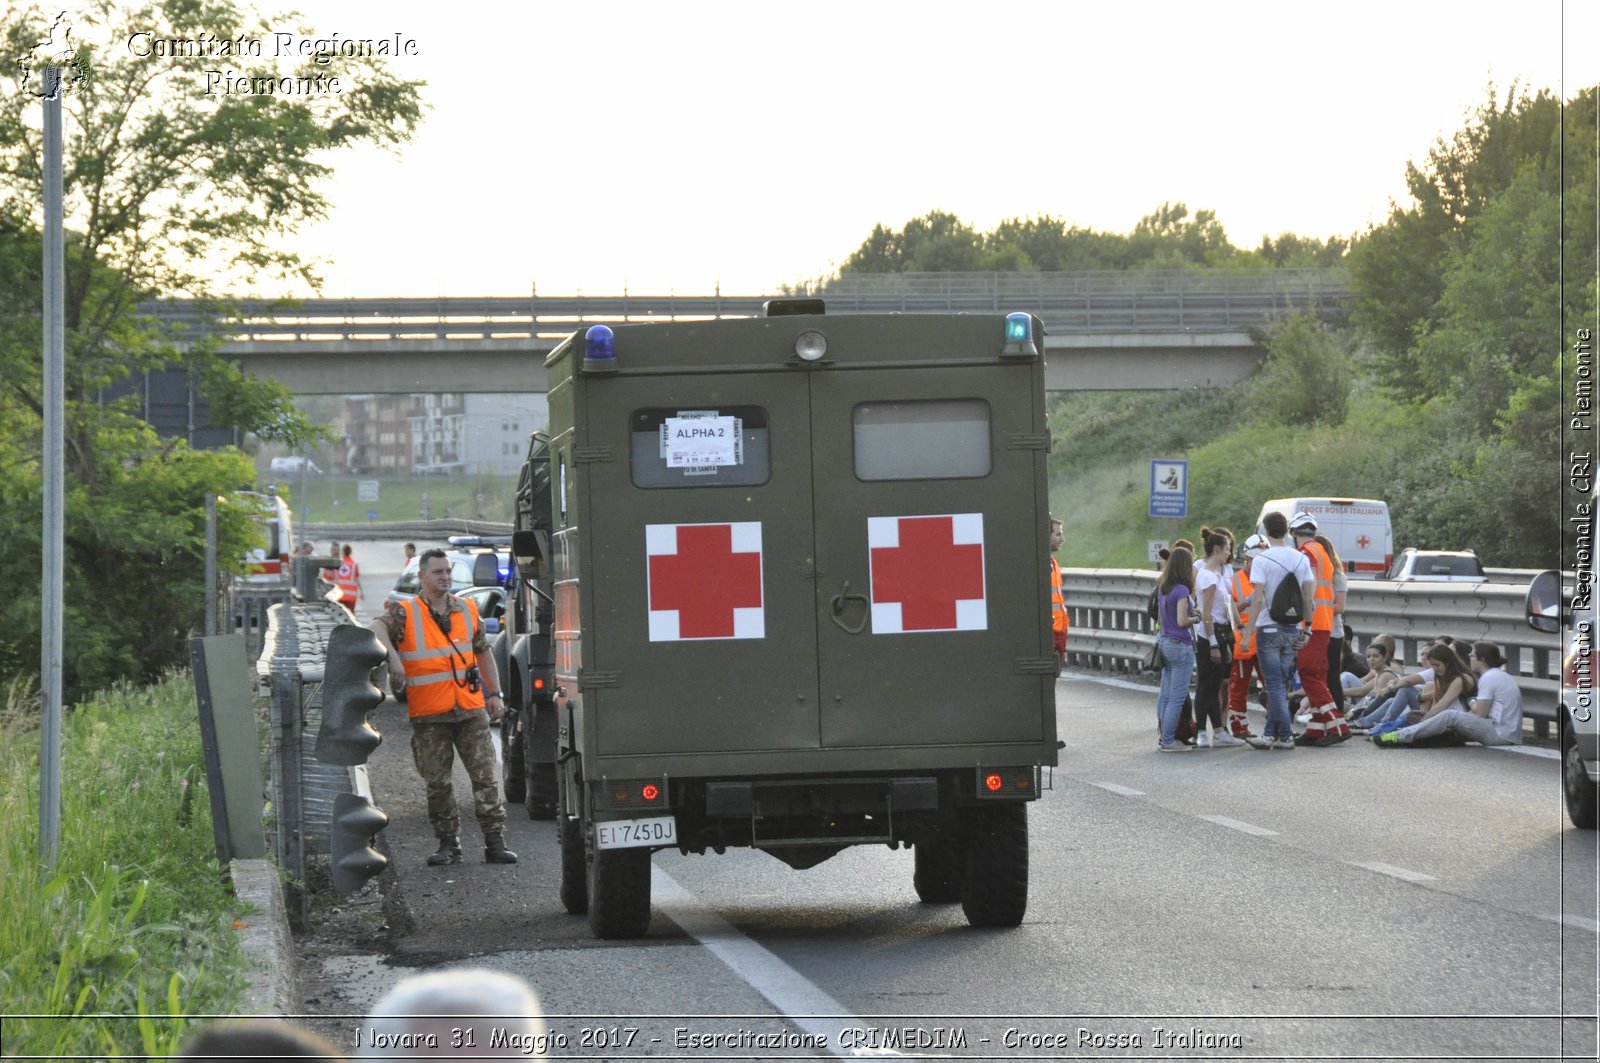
(453, 694)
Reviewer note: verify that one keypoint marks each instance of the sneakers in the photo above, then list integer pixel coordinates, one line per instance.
(1283, 743)
(449, 852)
(1223, 738)
(1173, 747)
(1202, 741)
(1387, 740)
(1259, 742)
(1331, 738)
(1304, 717)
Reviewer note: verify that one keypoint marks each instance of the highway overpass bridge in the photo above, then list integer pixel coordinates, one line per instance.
(1106, 331)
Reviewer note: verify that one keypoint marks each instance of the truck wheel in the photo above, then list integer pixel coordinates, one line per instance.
(619, 893)
(574, 888)
(513, 777)
(937, 874)
(994, 883)
(541, 778)
(1575, 782)
(574, 869)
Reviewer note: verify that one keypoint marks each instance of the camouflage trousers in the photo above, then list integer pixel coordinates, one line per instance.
(432, 748)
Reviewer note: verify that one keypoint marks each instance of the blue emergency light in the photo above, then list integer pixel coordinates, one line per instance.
(1019, 337)
(599, 350)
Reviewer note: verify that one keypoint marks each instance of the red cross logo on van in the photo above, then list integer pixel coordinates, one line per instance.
(1363, 542)
(704, 581)
(927, 573)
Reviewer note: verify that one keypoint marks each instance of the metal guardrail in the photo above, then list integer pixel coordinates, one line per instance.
(1112, 632)
(1160, 301)
(302, 788)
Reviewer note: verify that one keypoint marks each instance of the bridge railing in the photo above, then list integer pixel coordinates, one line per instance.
(1083, 302)
(1111, 631)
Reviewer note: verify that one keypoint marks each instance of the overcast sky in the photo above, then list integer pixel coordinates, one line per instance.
(676, 146)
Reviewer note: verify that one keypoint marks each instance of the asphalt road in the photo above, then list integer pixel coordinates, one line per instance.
(1330, 903)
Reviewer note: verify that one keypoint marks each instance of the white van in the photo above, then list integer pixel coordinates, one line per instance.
(1358, 528)
(268, 560)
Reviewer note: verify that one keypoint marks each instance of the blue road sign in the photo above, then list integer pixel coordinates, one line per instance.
(372, 514)
(1169, 487)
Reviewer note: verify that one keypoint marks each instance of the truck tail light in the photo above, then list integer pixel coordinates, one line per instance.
(1008, 782)
(636, 793)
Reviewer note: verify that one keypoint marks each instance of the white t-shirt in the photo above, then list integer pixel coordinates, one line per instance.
(1269, 569)
(1203, 578)
(1341, 582)
(1505, 715)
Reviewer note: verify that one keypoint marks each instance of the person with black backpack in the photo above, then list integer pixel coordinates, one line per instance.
(1283, 588)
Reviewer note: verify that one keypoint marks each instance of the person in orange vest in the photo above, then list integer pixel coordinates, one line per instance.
(1327, 726)
(1058, 604)
(1244, 647)
(348, 581)
(439, 653)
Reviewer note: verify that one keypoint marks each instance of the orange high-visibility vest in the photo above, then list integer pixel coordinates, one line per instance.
(436, 667)
(1058, 604)
(1244, 639)
(348, 579)
(1322, 597)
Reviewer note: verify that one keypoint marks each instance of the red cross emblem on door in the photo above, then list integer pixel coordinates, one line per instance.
(1363, 542)
(704, 581)
(927, 573)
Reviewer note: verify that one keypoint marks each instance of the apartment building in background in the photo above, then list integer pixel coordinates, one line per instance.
(438, 434)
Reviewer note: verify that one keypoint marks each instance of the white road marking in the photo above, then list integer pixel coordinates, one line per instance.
(1530, 751)
(1578, 921)
(1240, 825)
(1394, 872)
(1114, 788)
(796, 997)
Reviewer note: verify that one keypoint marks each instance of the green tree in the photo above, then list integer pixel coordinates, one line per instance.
(170, 190)
(1306, 378)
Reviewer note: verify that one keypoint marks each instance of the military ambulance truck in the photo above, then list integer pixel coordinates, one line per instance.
(799, 599)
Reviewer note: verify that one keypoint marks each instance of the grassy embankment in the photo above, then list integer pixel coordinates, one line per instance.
(1104, 442)
(132, 931)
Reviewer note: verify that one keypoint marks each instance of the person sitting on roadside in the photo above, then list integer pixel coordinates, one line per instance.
(1446, 685)
(1367, 692)
(1494, 719)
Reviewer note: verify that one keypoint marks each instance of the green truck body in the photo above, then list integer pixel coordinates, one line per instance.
(794, 578)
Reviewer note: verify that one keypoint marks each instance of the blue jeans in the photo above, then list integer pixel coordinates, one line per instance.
(1174, 685)
(1404, 699)
(1275, 655)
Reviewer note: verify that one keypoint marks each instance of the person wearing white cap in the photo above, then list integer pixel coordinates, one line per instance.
(1327, 726)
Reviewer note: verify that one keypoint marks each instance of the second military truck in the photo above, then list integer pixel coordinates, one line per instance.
(793, 578)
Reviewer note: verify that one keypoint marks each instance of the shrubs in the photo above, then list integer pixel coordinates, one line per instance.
(135, 919)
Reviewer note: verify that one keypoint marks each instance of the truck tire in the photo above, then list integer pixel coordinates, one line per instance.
(574, 887)
(994, 882)
(1576, 785)
(540, 800)
(937, 870)
(619, 892)
(513, 777)
(574, 866)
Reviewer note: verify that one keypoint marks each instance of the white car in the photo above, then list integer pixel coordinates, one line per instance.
(294, 467)
(1437, 566)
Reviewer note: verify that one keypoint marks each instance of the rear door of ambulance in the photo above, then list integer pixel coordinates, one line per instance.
(795, 560)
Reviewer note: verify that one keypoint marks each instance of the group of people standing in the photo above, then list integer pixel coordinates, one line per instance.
(1219, 624)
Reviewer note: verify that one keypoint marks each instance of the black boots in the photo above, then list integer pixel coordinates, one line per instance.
(449, 852)
(494, 850)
